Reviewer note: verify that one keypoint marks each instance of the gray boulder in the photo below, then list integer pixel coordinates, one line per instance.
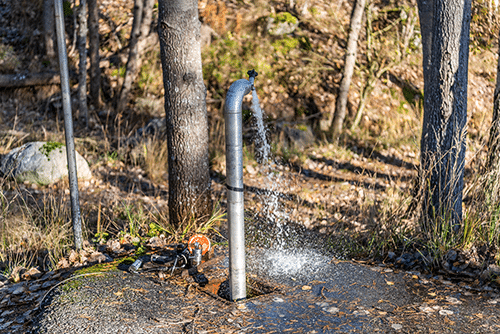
(300, 137)
(42, 163)
(281, 24)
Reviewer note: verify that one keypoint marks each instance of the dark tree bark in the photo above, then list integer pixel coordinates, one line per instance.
(350, 61)
(49, 28)
(186, 112)
(95, 69)
(82, 50)
(493, 164)
(426, 15)
(443, 140)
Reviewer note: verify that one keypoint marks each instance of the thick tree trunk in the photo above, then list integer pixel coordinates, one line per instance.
(443, 140)
(350, 61)
(82, 50)
(493, 164)
(185, 108)
(133, 56)
(49, 28)
(95, 70)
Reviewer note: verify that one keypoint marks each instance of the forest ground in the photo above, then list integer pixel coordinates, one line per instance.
(352, 194)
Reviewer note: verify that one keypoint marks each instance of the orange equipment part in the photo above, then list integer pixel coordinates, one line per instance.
(202, 240)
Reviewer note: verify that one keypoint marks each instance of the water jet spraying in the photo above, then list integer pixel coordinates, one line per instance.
(234, 183)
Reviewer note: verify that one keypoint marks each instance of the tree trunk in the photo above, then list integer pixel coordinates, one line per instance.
(133, 56)
(49, 28)
(443, 140)
(493, 163)
(82, 50)
(147, 18)
(350, 61)
(186, 112)
(139, 45)
(95, 69)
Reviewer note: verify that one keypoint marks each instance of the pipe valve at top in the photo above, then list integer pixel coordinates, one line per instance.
(252, 74)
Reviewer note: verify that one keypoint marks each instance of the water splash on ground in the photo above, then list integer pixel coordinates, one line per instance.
(285, 264)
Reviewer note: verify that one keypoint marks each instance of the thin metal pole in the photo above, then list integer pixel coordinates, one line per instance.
(68, 124)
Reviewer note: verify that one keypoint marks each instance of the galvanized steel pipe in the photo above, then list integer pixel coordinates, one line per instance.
(234, 183)
(68, 124)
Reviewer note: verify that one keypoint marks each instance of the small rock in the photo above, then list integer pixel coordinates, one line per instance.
(445, 312)
(49, 284)
(250, 170)
(426, 309)
(14, 287)
(492, 270)
(453, 300)
(33, 273)
(19, 290)
(361, 312)
(391, 255)
(116, 247)
(397, 326)
(47, 275)
(156, 242)
(451, 256)
(29, 298)
(331, 310)
(99, 257)
(278, 300)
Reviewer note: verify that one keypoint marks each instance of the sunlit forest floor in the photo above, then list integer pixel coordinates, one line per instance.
(356, 194)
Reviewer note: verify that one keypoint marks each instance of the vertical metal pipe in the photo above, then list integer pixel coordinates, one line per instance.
(68, 124)
(234, 183)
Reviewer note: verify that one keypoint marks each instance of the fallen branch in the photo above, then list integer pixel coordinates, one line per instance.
(30, 79)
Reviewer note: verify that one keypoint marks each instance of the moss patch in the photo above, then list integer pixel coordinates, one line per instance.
(50, 146)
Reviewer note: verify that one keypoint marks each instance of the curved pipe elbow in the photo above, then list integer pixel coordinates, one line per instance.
(235, 95)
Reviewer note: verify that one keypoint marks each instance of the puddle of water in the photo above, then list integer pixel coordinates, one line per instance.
(285, 264)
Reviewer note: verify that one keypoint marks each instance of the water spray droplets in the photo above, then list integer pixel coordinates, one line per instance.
(272, 211)
(261, 140)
